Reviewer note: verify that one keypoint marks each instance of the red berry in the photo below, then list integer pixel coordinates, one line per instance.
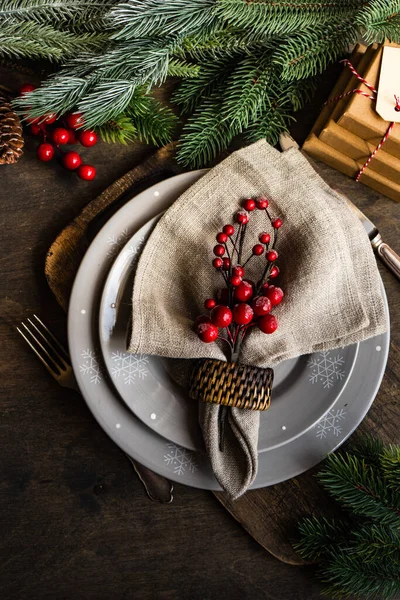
(275, 294)
(60, 136)
(223, 296)
(268, 324)
(261, 306)
(221, 316)
(219, 250)
(274, 272)
(277, 223)
(222, 238)
(236, 280)
(207, 332)
(88, 138)
(242, 218)
(209, 303)
(264, 237)
(75, 120)
(201, 320)
(217, 263)
(272, 255)
(249, 204)
(262, 203)
(227, 263)
(35, 129)
(50, 119)
(26, 88)
(45, 152)
(258, 249)
(228, 229)
(242, 314)
(86, 172)
(238, 270)
(244, 291)
(71, 136)
(71, 160)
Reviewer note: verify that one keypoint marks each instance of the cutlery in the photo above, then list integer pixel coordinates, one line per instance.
(387, 255)
(56, 360)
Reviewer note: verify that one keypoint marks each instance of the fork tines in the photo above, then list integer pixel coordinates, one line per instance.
(45, 345)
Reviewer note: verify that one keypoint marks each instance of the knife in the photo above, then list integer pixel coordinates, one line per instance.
(388, 256)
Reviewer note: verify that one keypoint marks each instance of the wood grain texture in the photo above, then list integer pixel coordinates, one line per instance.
(75, 524)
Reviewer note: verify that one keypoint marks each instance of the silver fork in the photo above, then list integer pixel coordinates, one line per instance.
(56, 360)
(49, 350)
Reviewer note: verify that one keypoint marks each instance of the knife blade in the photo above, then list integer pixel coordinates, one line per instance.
(388, 256)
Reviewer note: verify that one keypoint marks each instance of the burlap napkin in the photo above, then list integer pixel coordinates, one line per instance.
(328, 273)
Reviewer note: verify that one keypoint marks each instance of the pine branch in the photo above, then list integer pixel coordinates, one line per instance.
(376, 544)
(138, 18)
(89, 15)
(182, 69)
(369, 449)
(274, 17)
(157, 126)
(35, 41)
(272, 122)
(348, 480)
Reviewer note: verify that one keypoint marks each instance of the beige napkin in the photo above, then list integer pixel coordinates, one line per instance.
(328, 273)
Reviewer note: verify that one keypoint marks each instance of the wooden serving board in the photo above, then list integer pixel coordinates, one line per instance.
(270, 514)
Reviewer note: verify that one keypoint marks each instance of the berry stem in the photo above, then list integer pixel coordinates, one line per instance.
(242, 234)
(236, 241)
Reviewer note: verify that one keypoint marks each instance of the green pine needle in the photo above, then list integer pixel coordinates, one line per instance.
(390, 462)
(119, 131)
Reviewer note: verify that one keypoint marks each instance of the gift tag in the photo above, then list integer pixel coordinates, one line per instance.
(389, 85)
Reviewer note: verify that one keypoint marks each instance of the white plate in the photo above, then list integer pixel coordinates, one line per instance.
(304, 389)
(139, 441)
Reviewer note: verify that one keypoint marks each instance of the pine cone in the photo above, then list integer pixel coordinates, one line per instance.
(11, 140)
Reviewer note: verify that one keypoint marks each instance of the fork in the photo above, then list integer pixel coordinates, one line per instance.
(49, 350)
(58, 363)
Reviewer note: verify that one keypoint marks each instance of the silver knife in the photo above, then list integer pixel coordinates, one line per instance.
(388, 256)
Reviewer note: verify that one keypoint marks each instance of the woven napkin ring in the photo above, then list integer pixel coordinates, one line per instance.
(231, 384)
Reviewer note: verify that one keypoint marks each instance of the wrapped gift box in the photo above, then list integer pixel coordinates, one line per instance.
(347, 132)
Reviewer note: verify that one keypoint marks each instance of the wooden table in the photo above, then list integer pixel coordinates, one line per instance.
(75, 522)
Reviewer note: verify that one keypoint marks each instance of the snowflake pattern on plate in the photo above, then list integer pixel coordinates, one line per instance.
(116, 242)
(180, 459)
(326, 368)
(129, 366)
(134, 252)
(329, 424)
(90, 366)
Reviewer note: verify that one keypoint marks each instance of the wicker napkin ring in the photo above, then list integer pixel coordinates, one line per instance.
(231, 384)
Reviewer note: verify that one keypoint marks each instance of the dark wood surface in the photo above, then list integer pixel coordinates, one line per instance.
(75, 522)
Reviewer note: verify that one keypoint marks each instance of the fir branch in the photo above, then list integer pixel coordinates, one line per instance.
(319, 536)
(223, 43)
(89, 15)
(274, 120)
(348, 480)
(35, 41)
(205, 134)
(58, 94)
(380, 19)
(311, 51)
(376, 543)
(138, 18)
(390, 462)
(369, 449)
(350, 575)
(156, 125)
(182, 69)
(248, 91)
(118, 131)
(274, 17)
(210, 76)
(106, 101)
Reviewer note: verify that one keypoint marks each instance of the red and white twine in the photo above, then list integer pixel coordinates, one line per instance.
(372, 97)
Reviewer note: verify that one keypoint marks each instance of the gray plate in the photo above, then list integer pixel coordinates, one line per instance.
(145, 445)
(305, 388)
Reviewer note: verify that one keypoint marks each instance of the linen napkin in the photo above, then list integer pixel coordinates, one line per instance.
(328, 273)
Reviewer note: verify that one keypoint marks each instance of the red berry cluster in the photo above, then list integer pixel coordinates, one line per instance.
(57, 134)
(242, 303)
